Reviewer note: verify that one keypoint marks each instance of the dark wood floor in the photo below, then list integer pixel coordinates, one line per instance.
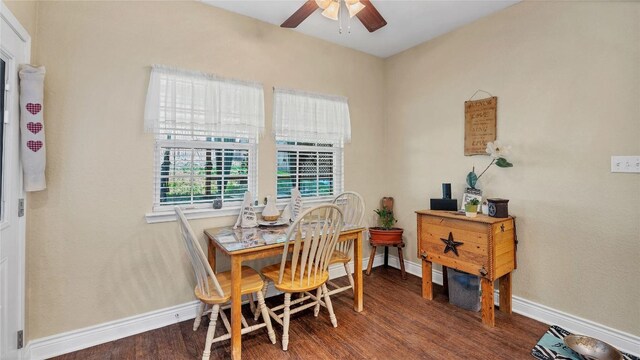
(396, 324)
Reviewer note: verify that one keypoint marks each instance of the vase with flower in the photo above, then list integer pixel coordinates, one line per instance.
(499, 153)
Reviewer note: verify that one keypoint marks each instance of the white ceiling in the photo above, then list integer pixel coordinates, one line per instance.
(409, 23)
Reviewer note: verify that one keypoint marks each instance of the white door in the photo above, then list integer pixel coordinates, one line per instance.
(14, 50)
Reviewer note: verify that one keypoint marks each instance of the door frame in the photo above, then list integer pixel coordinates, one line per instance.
(7, 16)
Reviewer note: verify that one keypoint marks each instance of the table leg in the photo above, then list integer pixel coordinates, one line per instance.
(212, 255)
(488, 315)
(427, 285)
(358, 291)
(505, 293)
(236, 309)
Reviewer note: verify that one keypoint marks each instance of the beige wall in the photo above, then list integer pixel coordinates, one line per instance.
(567, 77)
(91, 256)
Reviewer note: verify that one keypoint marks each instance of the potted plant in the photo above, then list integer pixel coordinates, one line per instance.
(385, 233)
(471, 208)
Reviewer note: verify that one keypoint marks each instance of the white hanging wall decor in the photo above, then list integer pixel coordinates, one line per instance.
(32, 127)
(247, 217)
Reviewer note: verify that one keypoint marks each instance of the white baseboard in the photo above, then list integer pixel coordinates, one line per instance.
(90, 336)
(75, 340)
(624, 341)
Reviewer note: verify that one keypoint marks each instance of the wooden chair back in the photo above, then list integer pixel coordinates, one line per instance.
(352, 206)
(314, 235)
(201, 268)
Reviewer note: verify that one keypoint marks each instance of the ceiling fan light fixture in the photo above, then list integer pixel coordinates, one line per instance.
(354, 7)
(332, 10)
(323, 4)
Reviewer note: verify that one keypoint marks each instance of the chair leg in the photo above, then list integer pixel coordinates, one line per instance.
(316, 309)
(265, 317)
(327, 301)
(285, 325)
(256, 313)
(252, 305)
(346, 268)
(210, 332)
(371, 257)
(196, 322)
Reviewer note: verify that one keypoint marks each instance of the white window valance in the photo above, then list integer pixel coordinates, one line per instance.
(193, 103)
(303, 116)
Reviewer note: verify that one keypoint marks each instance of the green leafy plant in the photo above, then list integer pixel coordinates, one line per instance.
(473, 202)
(386, 218)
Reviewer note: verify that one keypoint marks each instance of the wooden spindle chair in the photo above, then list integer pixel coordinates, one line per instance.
(313, 236)
(352, 206)
(215, 290)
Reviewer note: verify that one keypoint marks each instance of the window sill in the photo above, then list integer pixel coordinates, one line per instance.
(203, 213)
(191, 214)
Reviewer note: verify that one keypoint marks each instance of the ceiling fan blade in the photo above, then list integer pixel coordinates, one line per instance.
(302, 13)
(370, 17)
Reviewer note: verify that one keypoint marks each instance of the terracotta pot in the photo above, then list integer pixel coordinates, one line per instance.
(380, 236)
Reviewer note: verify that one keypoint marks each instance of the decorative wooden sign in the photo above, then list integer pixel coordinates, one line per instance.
(479, 124)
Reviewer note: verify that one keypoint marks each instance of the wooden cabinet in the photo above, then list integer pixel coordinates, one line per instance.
(482, 246)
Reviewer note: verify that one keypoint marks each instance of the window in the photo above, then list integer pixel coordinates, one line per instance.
(315, 168)
(206, 138)
(198, 172)
(310, 131)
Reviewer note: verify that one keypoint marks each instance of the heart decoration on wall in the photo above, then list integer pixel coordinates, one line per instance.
(34, 145)
(34, 127)
(34, 108)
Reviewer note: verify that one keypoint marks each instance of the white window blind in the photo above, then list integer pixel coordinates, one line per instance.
(315, 168)
(310, 131)
(207, 130)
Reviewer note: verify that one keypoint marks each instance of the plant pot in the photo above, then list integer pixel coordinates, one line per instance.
(380, 236)
(471, 210)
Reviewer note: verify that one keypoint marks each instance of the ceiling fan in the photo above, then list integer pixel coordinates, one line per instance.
(363, 9)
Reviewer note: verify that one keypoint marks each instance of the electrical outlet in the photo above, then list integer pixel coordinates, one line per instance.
(625, 164)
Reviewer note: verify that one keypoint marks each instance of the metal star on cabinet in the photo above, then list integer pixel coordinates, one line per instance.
(450, 244)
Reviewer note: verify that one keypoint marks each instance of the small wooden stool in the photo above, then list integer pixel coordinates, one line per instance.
(374, 246)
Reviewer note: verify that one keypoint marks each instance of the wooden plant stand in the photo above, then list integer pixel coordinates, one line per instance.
(375, 245)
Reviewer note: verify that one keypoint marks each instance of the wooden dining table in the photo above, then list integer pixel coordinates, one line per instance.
(257, 243)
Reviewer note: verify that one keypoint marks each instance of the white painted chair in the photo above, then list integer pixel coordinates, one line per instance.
(352, 206)
(314, 236)
(215, 290)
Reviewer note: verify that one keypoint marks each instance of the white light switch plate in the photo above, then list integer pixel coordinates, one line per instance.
(625, 164)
